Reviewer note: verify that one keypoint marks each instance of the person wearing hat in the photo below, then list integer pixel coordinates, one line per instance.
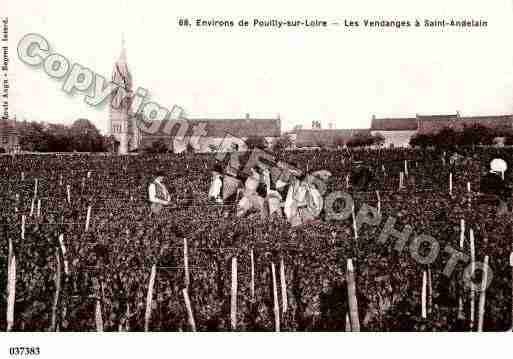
(158, 195)
(493, 183)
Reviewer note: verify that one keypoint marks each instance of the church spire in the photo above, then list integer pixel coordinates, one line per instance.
(122, 56)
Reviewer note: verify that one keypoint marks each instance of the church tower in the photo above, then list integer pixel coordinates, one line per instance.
(121, 99)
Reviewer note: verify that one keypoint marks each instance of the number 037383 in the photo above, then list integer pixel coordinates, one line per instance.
(23, 351)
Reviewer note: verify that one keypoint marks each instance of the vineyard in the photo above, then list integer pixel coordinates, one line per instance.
(81, 251)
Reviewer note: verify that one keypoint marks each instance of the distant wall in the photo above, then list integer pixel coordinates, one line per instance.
(396, 138)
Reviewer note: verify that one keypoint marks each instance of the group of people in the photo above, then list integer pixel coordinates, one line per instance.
(278, 191)
(293, 194)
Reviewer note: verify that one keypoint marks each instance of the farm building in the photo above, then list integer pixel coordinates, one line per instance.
(9, 139)
(305, 138)
(398, 131)
(210, 133)
(203, 132)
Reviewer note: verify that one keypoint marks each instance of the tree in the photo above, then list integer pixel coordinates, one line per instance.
(379, 139)
(362, 139)
(478, 135)
(158, 146)
(253, 142)
(421, 140)
(85, 137)
(282, 143)
(339, 142)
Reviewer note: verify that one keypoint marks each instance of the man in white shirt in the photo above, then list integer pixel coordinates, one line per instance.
(158, 194)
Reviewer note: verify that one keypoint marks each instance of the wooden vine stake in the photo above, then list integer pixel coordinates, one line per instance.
(472, 291)
(355, 228)
(511, 265)
(348, 323)
(429, 291)
(401, 180)
(187, 279)
(424, 295)
(17, 201)
(38, 208)
(57, 291)
(63, 248)
(22, 227)
(190, 316)
(462, 233)
(233, 302)
(284, 298)
(461, 315)
(275, 298)
(32, 207)
(98, 315)
(35, 187)
(149, 297)
(23, 176)
(450, 183)
(68, 193)
(482, 296)
(252, 283)
(88, 218)
(406, 168)
(351, 292)
(11, 286)
(379, 202)
(469, 195)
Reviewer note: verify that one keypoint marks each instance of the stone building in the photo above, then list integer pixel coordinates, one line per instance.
(9, 138)
(396, 131)
(130, 132)
(209, 133)
(122, 122)
(319, 138)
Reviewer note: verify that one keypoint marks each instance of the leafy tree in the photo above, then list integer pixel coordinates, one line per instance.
(362, 140)
(421, 140)
(256, 142)
(158, 146)
(379, 139)
(282, 143)
(339, 142)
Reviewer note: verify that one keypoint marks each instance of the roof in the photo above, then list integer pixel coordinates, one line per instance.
(325, 137)
(438, 122)
(7, 127)
(501, 122)
(217, 128)
(394, 124)
(435, 123)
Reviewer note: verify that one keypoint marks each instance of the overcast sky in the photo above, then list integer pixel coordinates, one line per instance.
(337, 75)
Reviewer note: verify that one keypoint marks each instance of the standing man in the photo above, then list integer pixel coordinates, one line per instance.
(493, 183)
(158, 194)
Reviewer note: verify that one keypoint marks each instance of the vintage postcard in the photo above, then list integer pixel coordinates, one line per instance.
(293, 170)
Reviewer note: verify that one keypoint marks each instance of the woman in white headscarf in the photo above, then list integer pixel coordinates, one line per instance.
(250, 198)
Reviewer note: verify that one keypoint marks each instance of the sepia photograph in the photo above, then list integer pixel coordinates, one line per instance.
(275, 173)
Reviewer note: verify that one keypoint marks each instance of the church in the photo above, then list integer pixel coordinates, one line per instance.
(221, 132)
